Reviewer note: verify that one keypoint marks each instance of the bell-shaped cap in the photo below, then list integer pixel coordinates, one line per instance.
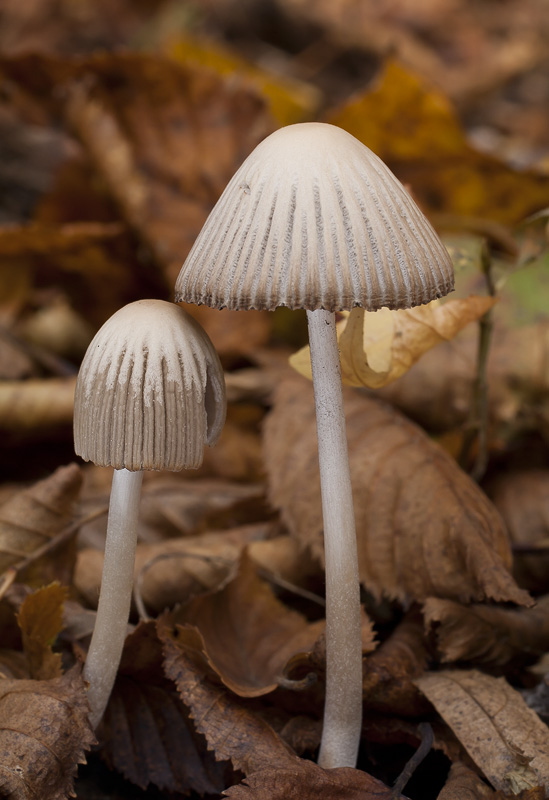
(150, 392)
(313, 219)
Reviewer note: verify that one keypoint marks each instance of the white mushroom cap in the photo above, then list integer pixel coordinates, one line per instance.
(150, 392)
(313, 219)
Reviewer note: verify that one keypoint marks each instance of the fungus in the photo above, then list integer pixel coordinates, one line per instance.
(313, 219)
(150, 394)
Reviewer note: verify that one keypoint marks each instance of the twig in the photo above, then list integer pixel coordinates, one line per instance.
(427, 738)
(477, 426)
(263, 573)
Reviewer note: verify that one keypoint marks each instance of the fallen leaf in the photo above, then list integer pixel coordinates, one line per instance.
(307, 781)
(44, 733)
(40, 618)
(507, 740)
(389, 672)
(487, 634)
(35, 515)
(522, 498)
(247, 635)
(232, 729)
(463, 783)
(166, 137)
(414, 129)
(423, 527)
(377, 347)
(149, 737)
(437, 390)
(175, 570)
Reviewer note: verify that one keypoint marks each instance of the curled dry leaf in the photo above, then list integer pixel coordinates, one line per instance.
(34, 516)
(36, 408)
(44, 733)
(247, 635)
(171, 572)
(305, 780)
(389, 672)
(522, 499)
(488, 634)
(507, 740)
(423, 527)
(40, 618)
(463, 783)
(149, 737)
(377, 347)
(233, 731)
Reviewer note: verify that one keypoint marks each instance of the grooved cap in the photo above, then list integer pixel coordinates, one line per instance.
(313, 219)
(150, 392)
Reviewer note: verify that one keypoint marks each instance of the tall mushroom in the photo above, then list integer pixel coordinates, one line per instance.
(313, 219)
(150, 394)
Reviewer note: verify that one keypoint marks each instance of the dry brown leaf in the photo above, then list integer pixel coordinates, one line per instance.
(40, 618)
(437, 390)
(304, 780)
(423, 527)
(233, 731)
(175, 570)
(464, 784)
(389, 672)
(522, 498)
(148, 735)
(507, 740)
(166, 137)
(377, 347)
(35, 515)
(415, 130)
(248, 636)
(44, 733)
(488, 634)
(35, 408)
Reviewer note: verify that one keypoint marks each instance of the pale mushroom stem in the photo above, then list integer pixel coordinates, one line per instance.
(343, 704)
(115, 596)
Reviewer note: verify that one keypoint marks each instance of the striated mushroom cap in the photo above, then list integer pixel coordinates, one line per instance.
(150, 392)
(313, 219)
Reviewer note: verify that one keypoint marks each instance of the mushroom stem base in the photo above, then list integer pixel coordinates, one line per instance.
(343, 705)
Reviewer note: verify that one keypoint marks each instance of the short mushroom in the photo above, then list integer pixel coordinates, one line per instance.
(150, 394)
(313, 219)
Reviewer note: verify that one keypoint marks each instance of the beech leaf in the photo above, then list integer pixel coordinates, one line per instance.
(44, 732)
(35, 515)
(248, 635)
(424, 529)
(377, 347)
(233, 731)
(149, 736)
(489, 634)
(305, 780)
(507, 740)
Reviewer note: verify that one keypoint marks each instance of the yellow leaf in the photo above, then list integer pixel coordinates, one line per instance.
(377, 347)
(289, 100)
(416, 131)
(41, 619)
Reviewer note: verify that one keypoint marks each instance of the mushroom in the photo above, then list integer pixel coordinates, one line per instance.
(150, 394)
(313, 219)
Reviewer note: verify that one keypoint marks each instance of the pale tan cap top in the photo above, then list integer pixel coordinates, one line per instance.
(150, 392)
(313, 219)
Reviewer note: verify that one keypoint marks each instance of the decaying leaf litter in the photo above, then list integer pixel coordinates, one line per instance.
(111, 161)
